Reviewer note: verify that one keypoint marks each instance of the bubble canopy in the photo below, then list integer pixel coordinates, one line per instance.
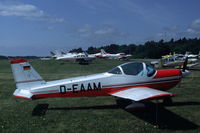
(133, 68)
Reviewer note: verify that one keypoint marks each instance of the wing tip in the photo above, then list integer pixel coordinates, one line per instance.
(159, 96)
(16, 61)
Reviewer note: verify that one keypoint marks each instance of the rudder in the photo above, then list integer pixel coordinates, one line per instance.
(24, 74)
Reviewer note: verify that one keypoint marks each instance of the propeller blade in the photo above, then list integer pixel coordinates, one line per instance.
(185, 64)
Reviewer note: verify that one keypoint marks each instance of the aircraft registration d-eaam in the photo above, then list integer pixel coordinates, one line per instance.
(135, 81)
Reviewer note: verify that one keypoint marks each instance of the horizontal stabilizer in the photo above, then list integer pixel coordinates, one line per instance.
(23, 93)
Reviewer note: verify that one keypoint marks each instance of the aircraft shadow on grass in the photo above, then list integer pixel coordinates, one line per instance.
(154, 113)
(157, 114)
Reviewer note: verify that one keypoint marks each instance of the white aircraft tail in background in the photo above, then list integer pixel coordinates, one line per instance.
(57, 53)
(119, 56)
(103, 52)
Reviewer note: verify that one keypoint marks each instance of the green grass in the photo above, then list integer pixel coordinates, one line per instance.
(97, 114)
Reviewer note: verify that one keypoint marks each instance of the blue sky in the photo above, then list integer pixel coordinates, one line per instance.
(35, 27)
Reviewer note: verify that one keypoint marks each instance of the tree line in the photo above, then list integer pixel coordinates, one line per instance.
(151, 49)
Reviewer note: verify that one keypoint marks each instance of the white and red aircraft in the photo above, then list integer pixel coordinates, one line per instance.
(82, 58)
(136, 81)
(120, 56)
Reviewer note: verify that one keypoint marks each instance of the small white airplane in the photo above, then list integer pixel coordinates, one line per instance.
(176, 61)
(45, 58)
(120, 56)
(82, 58)
(57, 53)
(190, 55)
(135, 81)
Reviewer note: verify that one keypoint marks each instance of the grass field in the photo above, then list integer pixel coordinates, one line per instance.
(96, 114)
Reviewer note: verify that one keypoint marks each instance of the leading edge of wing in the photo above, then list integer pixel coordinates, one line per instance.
(141, 94)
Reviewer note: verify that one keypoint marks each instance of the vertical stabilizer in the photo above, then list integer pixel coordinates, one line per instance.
(103, 52)
(25, 77)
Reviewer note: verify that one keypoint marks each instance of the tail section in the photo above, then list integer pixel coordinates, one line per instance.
(52, 53)
(103, 52)
(25, 77)
(57, 53)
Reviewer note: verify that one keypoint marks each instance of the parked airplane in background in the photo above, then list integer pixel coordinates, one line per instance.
(135, 81)
(82, 58)
(45, 58)
(120, 56)
(190, 55)
(57, 53)
(176, 60)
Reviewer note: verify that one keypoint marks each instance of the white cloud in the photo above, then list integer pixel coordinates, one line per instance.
(86, 28)
(95, 5)
(171, 28)
(176, 32)
(50, 28)
(105, 31)
(27, 11)
(194, 27)
(105, 34)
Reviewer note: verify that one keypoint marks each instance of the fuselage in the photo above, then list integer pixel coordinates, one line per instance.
(104, 84)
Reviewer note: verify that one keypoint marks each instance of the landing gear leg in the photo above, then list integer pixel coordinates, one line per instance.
(167, 101)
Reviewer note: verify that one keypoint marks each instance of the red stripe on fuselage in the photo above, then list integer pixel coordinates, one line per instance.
(167, 73)
(73, 94)
(107, 91)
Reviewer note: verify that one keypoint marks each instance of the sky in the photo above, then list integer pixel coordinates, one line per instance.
(36, 27)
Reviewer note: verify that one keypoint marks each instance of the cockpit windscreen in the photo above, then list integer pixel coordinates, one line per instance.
(132, 68)
(115, 70)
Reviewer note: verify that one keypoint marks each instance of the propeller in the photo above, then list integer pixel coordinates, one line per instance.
(185, 64)
(185, 72)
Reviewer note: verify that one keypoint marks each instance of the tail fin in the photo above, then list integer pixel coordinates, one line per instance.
(52, 53)
(103, 51)
(25, 77)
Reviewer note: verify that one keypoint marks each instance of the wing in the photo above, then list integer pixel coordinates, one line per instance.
(142, 93)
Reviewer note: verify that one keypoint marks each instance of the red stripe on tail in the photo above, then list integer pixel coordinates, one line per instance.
(16, 61)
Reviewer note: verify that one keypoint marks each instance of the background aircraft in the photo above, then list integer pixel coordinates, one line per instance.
(120, 56)
(135, 81)
(176, 61)
(81, 58)
(190, 55)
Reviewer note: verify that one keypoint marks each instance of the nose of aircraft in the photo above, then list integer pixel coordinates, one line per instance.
(168, 73)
